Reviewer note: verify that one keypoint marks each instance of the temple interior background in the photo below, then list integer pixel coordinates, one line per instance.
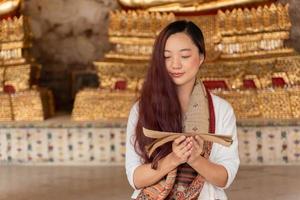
(70, 70)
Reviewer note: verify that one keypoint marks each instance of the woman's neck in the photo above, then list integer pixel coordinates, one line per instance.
(184, 93)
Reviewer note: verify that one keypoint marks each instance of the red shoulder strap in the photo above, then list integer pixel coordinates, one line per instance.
(212, 118)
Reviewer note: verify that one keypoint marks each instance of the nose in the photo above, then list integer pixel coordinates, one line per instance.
(176, 63)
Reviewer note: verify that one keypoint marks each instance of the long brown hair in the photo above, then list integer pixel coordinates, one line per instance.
(159, 107)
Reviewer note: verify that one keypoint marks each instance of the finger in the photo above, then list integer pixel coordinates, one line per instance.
(186, 145)
(199, 147)
(199, 140)
(180, 139)
(186, 150)
(189, 140)
(183, 143)
(196, 144)
(184, 153)
(188, 153)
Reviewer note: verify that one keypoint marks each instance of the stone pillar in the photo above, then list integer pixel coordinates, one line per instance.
(68, 35)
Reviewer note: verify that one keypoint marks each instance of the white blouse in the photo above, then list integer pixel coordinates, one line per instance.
(226, 156)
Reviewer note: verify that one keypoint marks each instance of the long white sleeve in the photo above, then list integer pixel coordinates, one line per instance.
(132, 159)
(228, 156)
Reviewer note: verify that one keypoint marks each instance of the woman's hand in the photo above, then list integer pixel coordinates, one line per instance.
(197, 149)
(181, 150)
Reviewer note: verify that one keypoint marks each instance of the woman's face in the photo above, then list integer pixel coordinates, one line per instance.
(182, 58)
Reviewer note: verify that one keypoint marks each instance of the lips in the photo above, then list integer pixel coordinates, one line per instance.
(176, 75)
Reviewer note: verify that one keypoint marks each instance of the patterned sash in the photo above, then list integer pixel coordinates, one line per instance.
(183, 183)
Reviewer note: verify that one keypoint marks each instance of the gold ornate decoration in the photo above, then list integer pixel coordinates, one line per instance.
(257, 20)
(137, 24)
(259, 31)
(47, 101)
(18, 77)
(7, 6)
(244, 102)
(2, 69)
(17, 72)
(184, 5)
(14, 40)
(5, 108)
(261, 71)
(254, 78)
(6, 56)
(95, 104)
(239, 33)
(109, 73)
(133, 33)
(294, 93)
(27, 106)
(14, 30)
(272, 103)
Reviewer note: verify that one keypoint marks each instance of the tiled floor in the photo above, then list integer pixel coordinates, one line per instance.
(98, 182)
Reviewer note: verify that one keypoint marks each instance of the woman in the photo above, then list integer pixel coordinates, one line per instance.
(173, 100)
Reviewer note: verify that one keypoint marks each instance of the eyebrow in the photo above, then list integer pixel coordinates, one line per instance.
(179, 50)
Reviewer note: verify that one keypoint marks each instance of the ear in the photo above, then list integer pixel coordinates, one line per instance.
(202, 58)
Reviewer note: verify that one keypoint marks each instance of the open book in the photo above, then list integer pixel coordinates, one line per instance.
(164, 137)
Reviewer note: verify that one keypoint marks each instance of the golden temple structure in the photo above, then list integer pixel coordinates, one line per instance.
(21, 99)
(248, 62)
